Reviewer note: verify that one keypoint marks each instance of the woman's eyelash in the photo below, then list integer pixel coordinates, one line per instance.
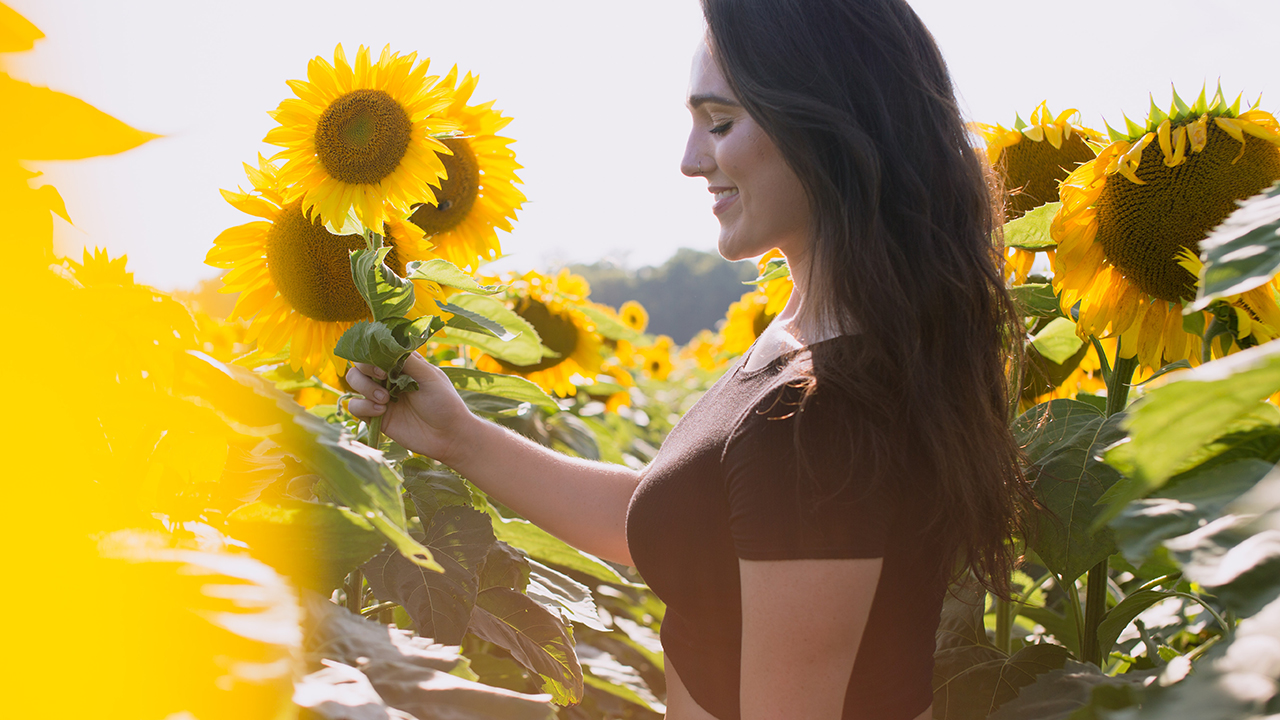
(722, 128)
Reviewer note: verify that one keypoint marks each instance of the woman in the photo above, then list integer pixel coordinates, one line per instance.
(803, 519)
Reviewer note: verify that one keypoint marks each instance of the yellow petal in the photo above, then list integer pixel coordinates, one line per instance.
(16, 32)
(1175, 338)
(1151, 339)
(1054, 135)
(1198, 132)
(55, 126)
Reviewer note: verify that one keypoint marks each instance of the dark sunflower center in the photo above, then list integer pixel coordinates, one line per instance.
(1032, 171)
(556, 330)
(457, 192)
(362, 136)
(311, 267)
(1143, 227)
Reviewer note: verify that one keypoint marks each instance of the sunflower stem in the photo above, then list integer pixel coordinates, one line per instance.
(373, 436)
(354, 588)
(1006, 610)
(1118, 385)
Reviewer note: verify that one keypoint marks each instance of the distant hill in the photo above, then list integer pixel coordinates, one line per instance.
(686, 294)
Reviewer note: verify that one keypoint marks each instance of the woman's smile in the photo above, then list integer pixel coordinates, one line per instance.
(724, 198)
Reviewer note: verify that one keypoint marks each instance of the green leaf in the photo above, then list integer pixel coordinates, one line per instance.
(1233, 559)
(1059, 694)
(569, 430)
(606, 673)
(439, 603)
(563, 595)
(356, 475)
(388, 295)
(534, 637)
(774, 269)
(547, 548)
(491, 406)
(413, 334)
(1031, 231)
(473, 322)
(1064, 440)
(315, 544)
(1193, 502)
(524, 347)
(1243, 252)
(372, 343)
(1036, 300)
(1172, 423)
(507, 386)
(1119, 617)
(443, 272)
(606, 323)
(1057, 341)
(432, 488)
(505, 566)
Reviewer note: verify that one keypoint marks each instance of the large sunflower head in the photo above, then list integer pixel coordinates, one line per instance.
(478, 196)
(1131, 217)
(1032, 159)
(294, 276)
(550, 305)
(362, 137)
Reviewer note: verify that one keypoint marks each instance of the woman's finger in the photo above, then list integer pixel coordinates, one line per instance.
(365, 409)
(372, 371)
(366, 386)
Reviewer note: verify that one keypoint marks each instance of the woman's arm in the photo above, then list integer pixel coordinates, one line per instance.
(581, 502)
(802, 622)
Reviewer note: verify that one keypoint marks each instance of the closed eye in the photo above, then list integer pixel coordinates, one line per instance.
(722, 128)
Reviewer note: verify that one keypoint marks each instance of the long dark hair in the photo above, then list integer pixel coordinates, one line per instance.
(857, 97)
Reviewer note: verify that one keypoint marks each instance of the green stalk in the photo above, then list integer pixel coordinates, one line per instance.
(355, 591)
(1095, 604)
(374, 437)
(1073, 605)
(1006, 610)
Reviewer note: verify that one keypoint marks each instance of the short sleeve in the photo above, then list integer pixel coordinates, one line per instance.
(836, 504)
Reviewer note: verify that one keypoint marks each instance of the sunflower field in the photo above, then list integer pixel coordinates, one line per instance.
(198, 528)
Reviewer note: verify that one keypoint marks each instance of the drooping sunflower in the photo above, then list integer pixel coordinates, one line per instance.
(549, 304)
(362, 137)
(746, 320)
(1031, 160)
(294, 276)
(478, 195)
(1131, 218)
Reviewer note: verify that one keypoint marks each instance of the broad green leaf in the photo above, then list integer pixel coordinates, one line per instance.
(1060, 694)
(1031, 231)
(1171, 423)
(473, 322)
(1036, 300)
(533, 636)
(413, 334)
(388, 295)
(439, 603)
(606, 673)
(1057, 341)
(432, 488)
(542, 545)
(774, 269)
(523, 348)
(443, 272)
(1243, 252)
(1119, 617)
(563, 595)
(606, 323)
(1235, 679)
(372, 343)
(1064, 440)
(1194, 501)
(1233, 560)
(492, 406)
(569, 430)
(410, 674)
(315, 544)
(354, 474)
(507, 386)
(505, 566)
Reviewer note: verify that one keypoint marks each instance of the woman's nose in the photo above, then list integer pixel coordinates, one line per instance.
(696, 161)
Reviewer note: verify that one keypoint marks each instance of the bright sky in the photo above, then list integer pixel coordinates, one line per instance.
(596, 89)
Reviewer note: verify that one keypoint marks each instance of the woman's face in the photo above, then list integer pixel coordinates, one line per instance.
(759, 201)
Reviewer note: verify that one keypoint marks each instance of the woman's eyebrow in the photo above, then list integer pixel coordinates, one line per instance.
(697, 100)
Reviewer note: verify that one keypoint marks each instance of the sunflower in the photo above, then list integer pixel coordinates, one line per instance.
(777, 290)
(657, 359)
(1133, 216)
(294, 276)
(703, 349)
(549, 304)
(634, 315)
(478, 195)
(362, 137)
(746, 320)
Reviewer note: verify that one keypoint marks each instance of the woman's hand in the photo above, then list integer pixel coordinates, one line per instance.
(428, 421)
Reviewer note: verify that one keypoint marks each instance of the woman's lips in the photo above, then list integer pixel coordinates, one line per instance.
(724, 197)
